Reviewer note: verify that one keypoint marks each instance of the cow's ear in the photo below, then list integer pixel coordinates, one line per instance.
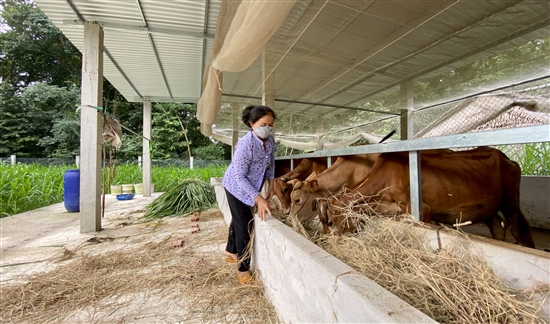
(295, 183)
(314, 185)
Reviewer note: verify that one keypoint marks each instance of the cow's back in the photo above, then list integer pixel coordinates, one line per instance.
(346, 171)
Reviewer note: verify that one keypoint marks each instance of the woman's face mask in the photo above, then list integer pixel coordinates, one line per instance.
(263, 131)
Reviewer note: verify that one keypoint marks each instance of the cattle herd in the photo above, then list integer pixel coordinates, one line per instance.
(457, 186)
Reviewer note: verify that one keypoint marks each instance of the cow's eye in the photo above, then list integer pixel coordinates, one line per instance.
(330, 223)
(297, 201)
(285, 190)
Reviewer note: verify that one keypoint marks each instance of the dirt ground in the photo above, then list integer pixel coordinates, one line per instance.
(133, 271)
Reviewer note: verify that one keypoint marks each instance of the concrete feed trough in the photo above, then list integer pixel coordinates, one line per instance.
(306, 284)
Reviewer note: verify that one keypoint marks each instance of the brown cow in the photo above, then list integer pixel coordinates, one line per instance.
(456, 187)
(306, 168)
(347, 170)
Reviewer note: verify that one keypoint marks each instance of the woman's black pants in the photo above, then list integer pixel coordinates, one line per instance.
(242, 223)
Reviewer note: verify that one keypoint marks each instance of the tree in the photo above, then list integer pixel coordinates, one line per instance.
(33, 49)
(50, 112)
(29, 116)
(33, 52)
(176, 130)
(211, 152)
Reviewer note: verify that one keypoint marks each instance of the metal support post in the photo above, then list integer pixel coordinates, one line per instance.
(416, 187)
(146, 152)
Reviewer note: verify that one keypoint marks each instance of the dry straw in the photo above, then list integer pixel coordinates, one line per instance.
(451, 285)
(197, 281)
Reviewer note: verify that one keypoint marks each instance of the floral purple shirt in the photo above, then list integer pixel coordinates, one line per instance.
(251, 166)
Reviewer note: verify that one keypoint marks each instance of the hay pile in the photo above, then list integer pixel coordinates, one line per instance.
(193, 280)
(451, 285)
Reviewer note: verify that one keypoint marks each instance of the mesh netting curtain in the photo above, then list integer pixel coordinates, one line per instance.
(243, 29)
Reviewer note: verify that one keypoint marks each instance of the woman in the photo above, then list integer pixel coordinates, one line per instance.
(252, 164)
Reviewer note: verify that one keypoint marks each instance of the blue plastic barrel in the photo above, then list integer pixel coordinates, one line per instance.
(71, 190)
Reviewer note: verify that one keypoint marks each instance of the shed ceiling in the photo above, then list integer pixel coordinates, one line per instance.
(330, 57)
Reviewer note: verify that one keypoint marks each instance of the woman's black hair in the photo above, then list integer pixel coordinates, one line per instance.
(251, 114)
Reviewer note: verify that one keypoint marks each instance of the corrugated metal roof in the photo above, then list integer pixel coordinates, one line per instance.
(154, 50)
(338, 53)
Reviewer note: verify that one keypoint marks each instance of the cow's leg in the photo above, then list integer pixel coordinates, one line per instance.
(519, 226)
(497, 227)
(426, 213)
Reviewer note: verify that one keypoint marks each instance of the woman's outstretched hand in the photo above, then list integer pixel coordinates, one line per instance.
(263, 207)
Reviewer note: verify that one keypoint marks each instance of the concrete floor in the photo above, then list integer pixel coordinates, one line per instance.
(29, 238)
(31, 242)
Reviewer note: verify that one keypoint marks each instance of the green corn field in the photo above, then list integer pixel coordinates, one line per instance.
(26, 187)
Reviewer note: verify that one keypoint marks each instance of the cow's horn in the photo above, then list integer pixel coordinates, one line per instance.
(284, 179)
(323, 211)
(390, 134)
(314, 204)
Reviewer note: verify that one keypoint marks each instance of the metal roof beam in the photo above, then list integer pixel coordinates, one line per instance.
(111, 58)
(345, 24)
(167, 99)
(82, 21)
(205, 31)
(390, 65)
(313, 104)
(142, 29)
(73, 8)
(154, 49)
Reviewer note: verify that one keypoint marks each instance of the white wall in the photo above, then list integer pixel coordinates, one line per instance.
(535, 200)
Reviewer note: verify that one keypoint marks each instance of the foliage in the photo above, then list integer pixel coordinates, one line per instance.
(210, 152)
(38, 68)
(36, 117)
(191, 195)
(534, 159)
(33, 49)
(172, 123)
(281, 150)
(64, 141)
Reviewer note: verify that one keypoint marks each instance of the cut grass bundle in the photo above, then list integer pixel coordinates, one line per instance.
(190, 195)
(452, 285)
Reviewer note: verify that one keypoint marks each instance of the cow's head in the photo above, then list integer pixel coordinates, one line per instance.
(331, 217)
(301, 198)
(282, 188)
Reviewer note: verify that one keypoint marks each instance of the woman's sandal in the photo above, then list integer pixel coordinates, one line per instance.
(230, 260)
(230, 257)
(245, 278)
